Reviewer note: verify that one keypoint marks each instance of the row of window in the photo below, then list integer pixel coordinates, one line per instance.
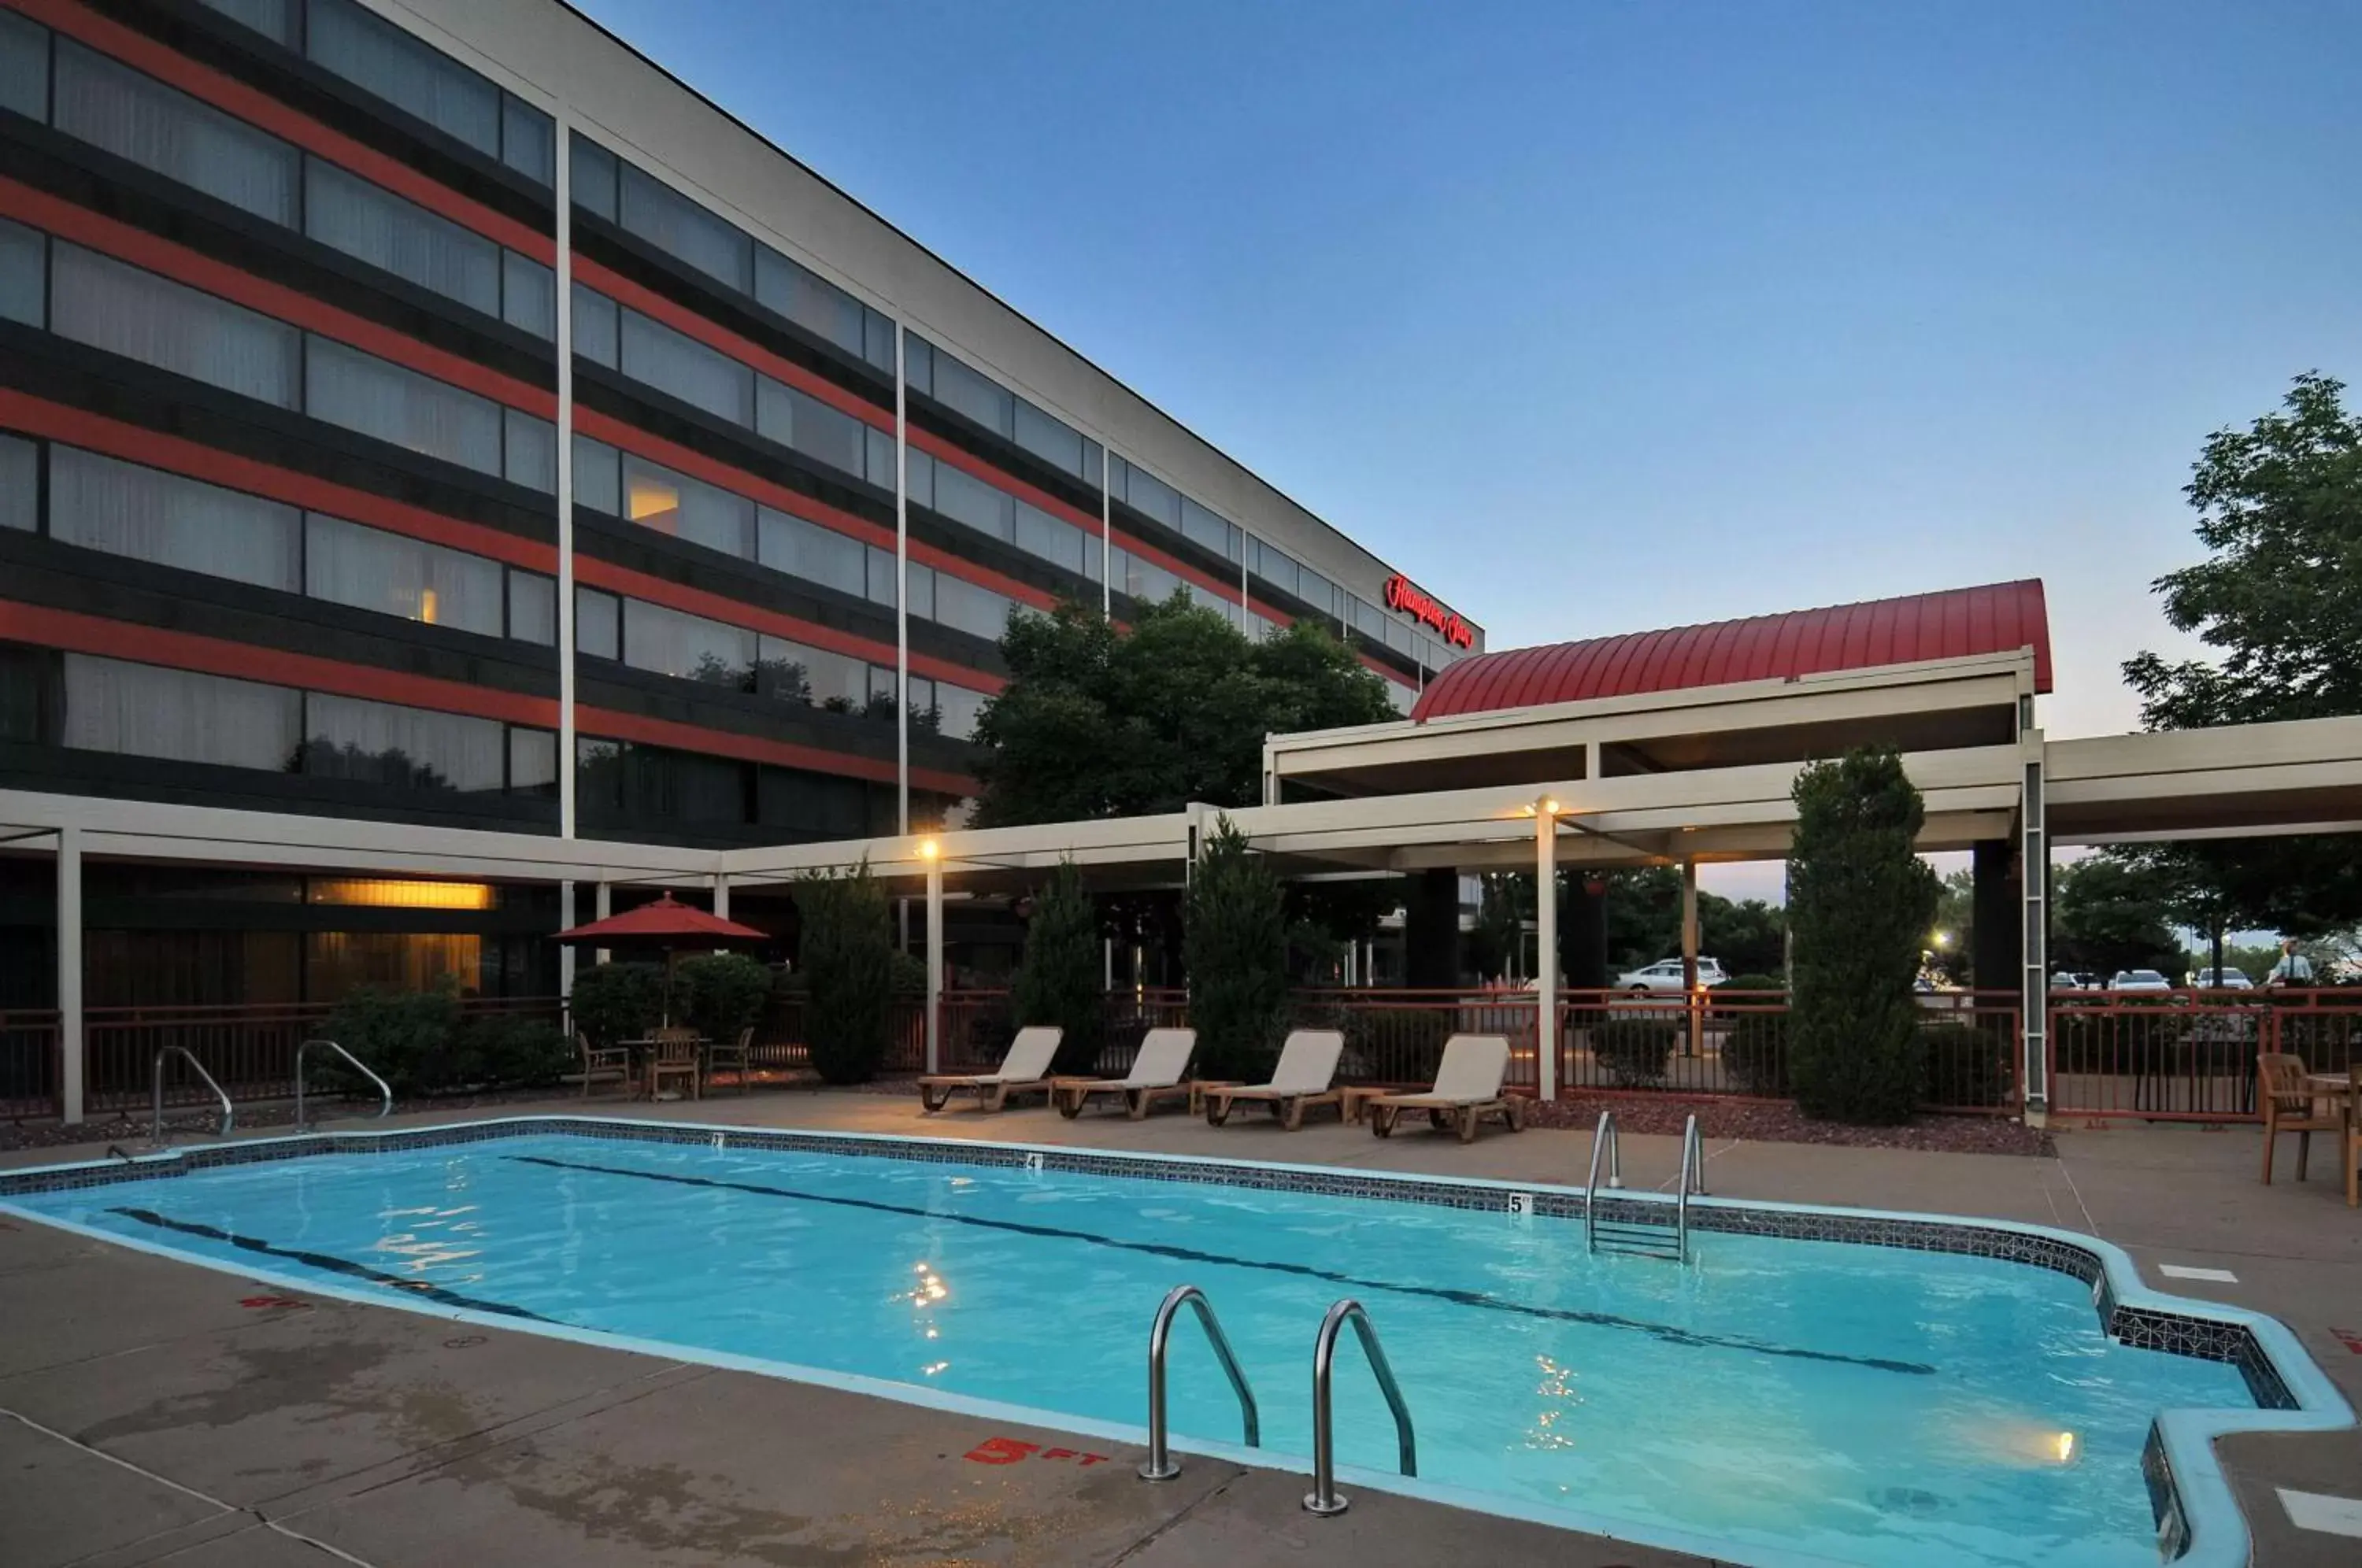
(665, 641)
(969, 392)
(952, 492)
(103, 504)
(651, 210)
(627, 786)
(413, 76)
(625, 485)
(85, 702)
(679, 366)
(136, 117)
(96, 300)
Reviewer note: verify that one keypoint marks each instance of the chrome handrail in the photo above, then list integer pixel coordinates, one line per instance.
(1693, 1162)
(385, 1094)
(156, 1122)
(1324, 1499)
(1161, 1465)
(1603, 1141)
(1693, 1157)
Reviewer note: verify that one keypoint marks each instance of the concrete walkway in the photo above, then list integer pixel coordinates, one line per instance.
(153, 1412)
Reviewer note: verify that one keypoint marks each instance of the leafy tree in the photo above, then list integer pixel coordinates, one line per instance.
(722, 993)
(2279, 600)
(1507, 903)
(1859, 899)
(1234, 939)
(1956, 922)
(2108, 914)
(617, 1002)
(1098, 722)
(848, 963)
(1059, 980)
(1644, 924)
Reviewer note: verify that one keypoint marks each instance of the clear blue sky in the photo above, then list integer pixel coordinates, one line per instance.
(1596, 317)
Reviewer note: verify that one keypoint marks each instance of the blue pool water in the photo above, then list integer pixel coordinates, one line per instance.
(1862, 1404)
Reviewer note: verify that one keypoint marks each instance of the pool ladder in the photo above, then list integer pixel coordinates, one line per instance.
(1324, 1500)
(156, 1120)
(1641, 1238)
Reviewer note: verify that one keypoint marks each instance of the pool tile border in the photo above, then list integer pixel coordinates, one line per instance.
(2141, 1327)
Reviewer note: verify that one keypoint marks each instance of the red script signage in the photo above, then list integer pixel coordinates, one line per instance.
(1410, 599)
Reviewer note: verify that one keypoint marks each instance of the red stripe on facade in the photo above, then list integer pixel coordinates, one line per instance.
(183, 265)
(601, 723)
(132, 443)
(276, 667)
(260, 109)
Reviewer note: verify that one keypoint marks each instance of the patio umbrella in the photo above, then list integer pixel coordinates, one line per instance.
(667, 926)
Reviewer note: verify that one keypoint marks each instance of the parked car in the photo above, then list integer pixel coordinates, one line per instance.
(2139, 980)
(1665, 975)
(2074, 980)
(2221, 980)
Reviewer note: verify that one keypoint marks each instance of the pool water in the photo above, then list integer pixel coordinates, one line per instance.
(1860, 1404)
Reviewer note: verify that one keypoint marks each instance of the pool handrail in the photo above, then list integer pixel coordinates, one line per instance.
(1324, 1500)
(1693, 1180)
(1603, 1140)
(156, 1120)
(384, 1093)
(1161, 1465)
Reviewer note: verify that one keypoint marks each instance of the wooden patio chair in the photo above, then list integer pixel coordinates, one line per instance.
(604, 1062)
(2290, 1106)
(676, 1055)
(1467, 1089)
(736, 1054)
(1025, 1070)
(1158, 1072)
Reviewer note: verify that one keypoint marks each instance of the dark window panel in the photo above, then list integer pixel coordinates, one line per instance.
(136, 117)
(594, 177)
(530, 457)
(23, 66)
(597, 334)
(403, 749)
(101, 503)
(528, 295)
(139, 710)
(533, 762)
(24, 272)
(685, 231)
(387, 231)
(597, 623)
(379, 58)
(20, 484)
(376, 397)
(533, 607)
(528, 140)
(596, 485)
(371, 569)
(99, 301)
(274, 19)
(656, 498)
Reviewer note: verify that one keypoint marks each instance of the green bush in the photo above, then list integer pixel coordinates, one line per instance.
(848, 971)
(1632, 1052)
(718, 994)
(1860, 900)
(1234, 944)
(1754, 1044)
(617, 1002)
(508, 1050)
(1060, 980)
(1396, 1045)
(404, 1037)
(1965, 1064)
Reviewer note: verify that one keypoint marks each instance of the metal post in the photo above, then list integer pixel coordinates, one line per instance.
(934, 965)
(1689, 954)
(1324, 1499)
(1545, 959)
(1161, 1464)
(567, 766)
(2034, 874)
(69, 1035)
(721, 895)
(901, 587)
(566, 956)
(600, 911)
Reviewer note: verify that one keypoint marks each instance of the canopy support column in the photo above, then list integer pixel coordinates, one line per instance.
(934, 965)
(1546, 943)
(70, 1042)
(1690, 954)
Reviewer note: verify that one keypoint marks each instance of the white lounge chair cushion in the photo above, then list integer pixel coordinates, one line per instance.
(1029, 1055)
(1473, 1067)
(1163, 1057)
(1307, 1062)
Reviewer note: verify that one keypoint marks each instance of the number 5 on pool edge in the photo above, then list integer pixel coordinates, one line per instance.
(1521, 1205)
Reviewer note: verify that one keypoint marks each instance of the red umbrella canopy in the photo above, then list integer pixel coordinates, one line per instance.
(667, 923)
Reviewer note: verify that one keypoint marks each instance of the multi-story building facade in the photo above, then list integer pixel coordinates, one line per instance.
(438, 414)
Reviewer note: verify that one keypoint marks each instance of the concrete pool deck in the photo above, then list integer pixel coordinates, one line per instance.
(154, 1412)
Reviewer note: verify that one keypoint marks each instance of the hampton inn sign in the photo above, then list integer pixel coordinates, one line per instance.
(1408, 597)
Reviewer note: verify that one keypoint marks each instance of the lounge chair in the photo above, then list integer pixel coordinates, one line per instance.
(1025, 1070)
(1157, 1072)
(1306, 1076)
(1467, 1087)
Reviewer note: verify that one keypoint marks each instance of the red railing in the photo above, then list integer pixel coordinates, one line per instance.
(2188, 1055)
(1397, 1036)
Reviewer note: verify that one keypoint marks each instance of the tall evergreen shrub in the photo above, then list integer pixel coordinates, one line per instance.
(848, 972)
(1059, 982)
(1860, 900)
(1234, 942)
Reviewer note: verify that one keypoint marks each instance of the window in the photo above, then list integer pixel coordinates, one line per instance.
(24, 272)
(530, 458)
(957, 710)
(375, 397)
(1367, 618)
(963, 498)
(1205, 528)
(528, 140)
(1274, 566)
(882, 577)
(689, 647)
(676, 364)
(687, 509)
(103, 504)
(101, 302)
(20, 484)
(371, 569)
(533, 610)
(528, 295)
(791, 672)
(1053, 440)
(137, 117)
(274, 19)
(922, 593)
(1151, 496)
(594, 178)
(685, 231)
(405, 71)
(384, 229)
(964, 606)
(625, 785)
(972, 393)
(1051, 538)
(597, 623)
(812, 552)
(597, 335)
(595, 482)
(403, 749)
(813, 303)
(796, 419)
(533, 762)
(1316, 591)
(141, 709)
(24, 67)
(1141, 579)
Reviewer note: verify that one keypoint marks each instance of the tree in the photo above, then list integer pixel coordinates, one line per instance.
(2108, 914)
(1644, 924)
(1507, 903)
(722, 993)
(1858, 899)
(848, 972)
(2279, 598)
(1059, 980)
(1953, 929)
(1234, 941)
(1095, 722)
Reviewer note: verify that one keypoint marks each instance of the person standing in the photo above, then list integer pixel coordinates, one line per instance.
(2293, 969)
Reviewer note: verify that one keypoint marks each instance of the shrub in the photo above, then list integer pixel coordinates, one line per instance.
(1964, 1064)
(1632, 1050)
(404, 1037)
(1233, 943)
(848, 963)
(1754, 1044)
(617, 1002)
(1396, 1044)
(509, 1050)
(1059, 982)
(721, 993)
(1860, 900)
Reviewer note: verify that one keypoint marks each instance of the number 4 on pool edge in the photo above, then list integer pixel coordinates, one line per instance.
(1521, 1205)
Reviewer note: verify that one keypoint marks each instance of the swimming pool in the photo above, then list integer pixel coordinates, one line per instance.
(1945, 1393)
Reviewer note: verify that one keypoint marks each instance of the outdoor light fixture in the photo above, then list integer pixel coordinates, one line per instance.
(928, 849)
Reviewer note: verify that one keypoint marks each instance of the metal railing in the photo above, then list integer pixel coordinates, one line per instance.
(385, 1094)
(1693, 1180)
(1602, 1143)
(2189, 1055)
(155, 1121)
(1324, 1499)
(1161, 1464)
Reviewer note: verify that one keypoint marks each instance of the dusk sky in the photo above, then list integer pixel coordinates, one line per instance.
(1600, 318)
